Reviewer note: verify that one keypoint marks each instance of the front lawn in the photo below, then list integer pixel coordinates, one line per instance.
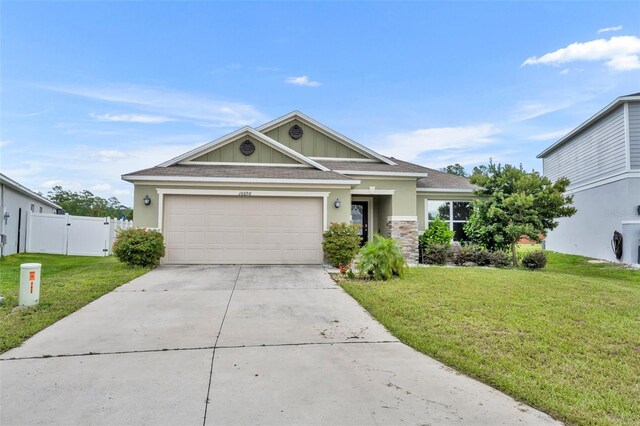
(67, 284)
(565, 340)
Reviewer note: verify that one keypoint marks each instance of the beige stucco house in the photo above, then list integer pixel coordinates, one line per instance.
(264, 195)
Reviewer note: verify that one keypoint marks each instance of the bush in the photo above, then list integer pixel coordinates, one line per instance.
(467, 254)
(381, 259)
(341, 243)
(139, 247)
(483, 257)
(534, 260)
(500, 259)
(434, 254)
(438, 232)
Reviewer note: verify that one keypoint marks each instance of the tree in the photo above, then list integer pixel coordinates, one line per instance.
(84, 203)
(514, 203)
(455, 169)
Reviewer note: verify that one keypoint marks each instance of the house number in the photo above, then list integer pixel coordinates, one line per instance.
(244, 193)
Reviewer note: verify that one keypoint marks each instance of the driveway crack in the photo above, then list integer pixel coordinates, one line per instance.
(213, 355)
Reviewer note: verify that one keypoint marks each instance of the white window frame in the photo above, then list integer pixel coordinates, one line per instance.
(451, 221)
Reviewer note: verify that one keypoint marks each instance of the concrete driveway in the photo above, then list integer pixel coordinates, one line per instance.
(194, 345)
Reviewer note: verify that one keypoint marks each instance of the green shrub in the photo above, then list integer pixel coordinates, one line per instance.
(435, 254)
(534, 260)
(438, 232)
(341, 243)
(467, 254)
(500, 259)
(483, 257)
(381, 259)
(139, 247)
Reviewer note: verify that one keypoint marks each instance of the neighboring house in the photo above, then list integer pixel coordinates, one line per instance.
(15, 202)
(265, 195)
(601, 158)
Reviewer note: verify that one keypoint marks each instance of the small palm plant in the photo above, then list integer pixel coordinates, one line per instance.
(381, 259)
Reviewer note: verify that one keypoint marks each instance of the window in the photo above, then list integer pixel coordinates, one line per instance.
(33, 208)
(40, 209)
(454, 212)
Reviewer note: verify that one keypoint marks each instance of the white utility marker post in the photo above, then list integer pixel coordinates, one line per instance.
(29, 284)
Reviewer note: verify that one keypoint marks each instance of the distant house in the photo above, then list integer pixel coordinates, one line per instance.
(601, 157)
(15, 201)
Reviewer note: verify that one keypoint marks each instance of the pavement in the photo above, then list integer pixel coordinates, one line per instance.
(229, 344)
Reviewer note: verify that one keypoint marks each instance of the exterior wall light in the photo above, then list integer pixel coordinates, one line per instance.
(6, 217)
(146, 200)
(337, 203)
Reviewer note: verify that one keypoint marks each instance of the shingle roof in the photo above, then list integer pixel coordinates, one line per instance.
(230, 171)
(441, 180)
(401, 167)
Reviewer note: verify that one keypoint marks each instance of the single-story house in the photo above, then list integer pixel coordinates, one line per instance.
(15, 201)
(264, 195)
(601, 158)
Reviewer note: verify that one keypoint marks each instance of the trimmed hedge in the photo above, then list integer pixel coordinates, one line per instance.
(139, 247)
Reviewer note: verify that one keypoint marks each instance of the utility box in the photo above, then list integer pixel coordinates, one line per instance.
(29, 284)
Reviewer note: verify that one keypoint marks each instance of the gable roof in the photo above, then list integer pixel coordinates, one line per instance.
(26, 191)
(401, 168)
(239, 173)
(438, 180)
(326, 130)
(194, 153)
(604, 111)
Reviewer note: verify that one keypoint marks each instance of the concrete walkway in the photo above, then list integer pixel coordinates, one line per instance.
(243, 345)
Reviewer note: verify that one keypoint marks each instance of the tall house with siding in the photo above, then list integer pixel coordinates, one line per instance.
(601, 158)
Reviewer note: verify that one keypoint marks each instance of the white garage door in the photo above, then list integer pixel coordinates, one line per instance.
(209, 229)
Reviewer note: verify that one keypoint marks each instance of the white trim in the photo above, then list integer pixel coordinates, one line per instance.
(323, 129)
(229, 193)
(220, 163)
(604, 181)
(349, 160)
(238, 180)
(373, 191)
(631, 222)
(373, 173)
(627, 140)
(402, 218)
(231, 137)
(461, 190)
(613, 105)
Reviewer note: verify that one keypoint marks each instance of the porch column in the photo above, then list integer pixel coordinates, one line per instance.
(404, 229)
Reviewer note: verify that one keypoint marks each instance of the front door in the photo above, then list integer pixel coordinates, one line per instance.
(360, 216)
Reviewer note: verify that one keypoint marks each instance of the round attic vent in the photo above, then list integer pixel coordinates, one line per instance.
(295, 131)
(247, 147)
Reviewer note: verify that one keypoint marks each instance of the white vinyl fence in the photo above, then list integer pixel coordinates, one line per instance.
(72, 235)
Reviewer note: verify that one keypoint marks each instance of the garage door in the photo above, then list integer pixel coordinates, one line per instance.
(250, 230)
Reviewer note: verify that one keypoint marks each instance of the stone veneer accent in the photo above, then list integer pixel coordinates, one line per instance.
(405, 231)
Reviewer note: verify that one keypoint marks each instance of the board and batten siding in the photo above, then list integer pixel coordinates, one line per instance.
(634, 135)
(231, 153)
(596, 152)
(312, 143)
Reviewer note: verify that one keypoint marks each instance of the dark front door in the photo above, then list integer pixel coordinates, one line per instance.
(360, 216)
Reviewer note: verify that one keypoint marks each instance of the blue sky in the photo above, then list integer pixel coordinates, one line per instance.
(92, 90)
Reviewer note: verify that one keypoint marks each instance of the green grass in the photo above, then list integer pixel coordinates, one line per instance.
(67, 284)
(565, 340)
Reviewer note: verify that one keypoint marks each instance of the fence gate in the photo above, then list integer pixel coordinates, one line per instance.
(72, 235)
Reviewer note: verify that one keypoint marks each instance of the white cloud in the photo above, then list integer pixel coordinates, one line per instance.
(556, 134)
(609, 29)
(170, 103)
(410, 145)
(565, 71)
(617, 53)
(530, 110)
(111, 154)
(132, 118)
(4, 142)
(303, 80)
